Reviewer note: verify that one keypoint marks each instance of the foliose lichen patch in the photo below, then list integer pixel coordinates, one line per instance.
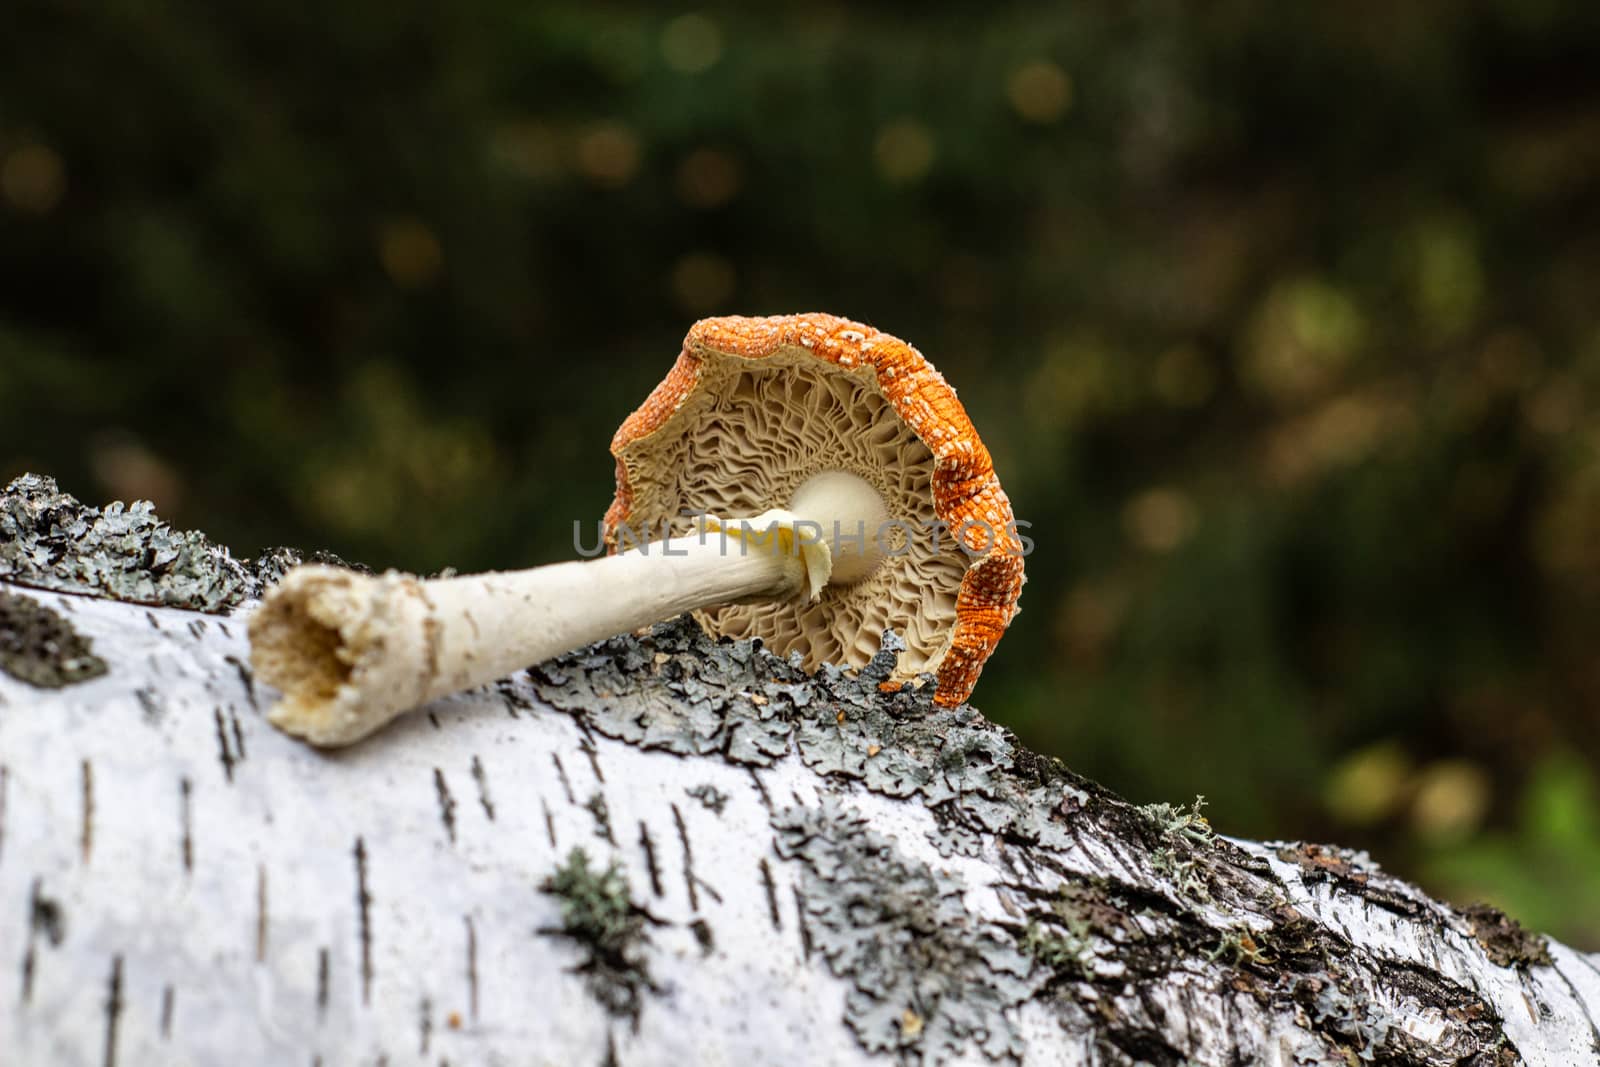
(598, 913)
(927, 979)
(678, 690)
(41, 648)
(727, 698)
(49, 540)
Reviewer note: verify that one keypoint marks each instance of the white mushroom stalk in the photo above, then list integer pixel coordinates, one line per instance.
(350, 652)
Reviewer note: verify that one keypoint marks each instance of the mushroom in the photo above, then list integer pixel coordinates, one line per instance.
(804, 479)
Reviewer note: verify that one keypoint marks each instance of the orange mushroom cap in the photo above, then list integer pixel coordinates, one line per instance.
(886, 386)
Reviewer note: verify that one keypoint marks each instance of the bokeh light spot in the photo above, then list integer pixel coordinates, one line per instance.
(1089, 620)
(33, 178)
(1452, 797)
(1368, 784)
(1040, 92)
(904, 151)
(128, 470)
(409, 252)
(1159, 519)
(608, 154)
(702, 281)
(709, 178)
(528, 147)
(1449, 276)
(691, 44)
(1555, 407)
(1304, 335)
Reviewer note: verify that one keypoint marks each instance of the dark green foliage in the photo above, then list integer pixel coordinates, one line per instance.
(1280, 323)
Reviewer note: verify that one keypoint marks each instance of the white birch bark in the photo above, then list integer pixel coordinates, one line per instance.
(825, 880)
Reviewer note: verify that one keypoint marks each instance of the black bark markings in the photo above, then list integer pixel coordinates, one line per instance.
(113, 1010)
(224, 752)
(151, 703)
(513, 699)
(692, 880)
(425, 1022)
(435, 720)
(805, 929)
(702, 934)
(86, 835)
(186, 824)
(447, 804)
(650, 858)
(472, 967)
(44, 917)
(772, 894)
(322, 983)
(688, 858)
(27, 974)
(566, 785)
(761, 788)
(169, 998)
(238, 734)
(197, 627)
(261, 913)
(586, 744)
(549, 822)
(596, 805)
(364, 905)
(482, 779)
(246, 677)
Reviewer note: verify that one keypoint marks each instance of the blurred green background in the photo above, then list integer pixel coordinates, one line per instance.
(1282, 321)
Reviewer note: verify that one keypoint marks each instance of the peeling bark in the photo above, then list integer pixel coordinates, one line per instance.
(664, 849)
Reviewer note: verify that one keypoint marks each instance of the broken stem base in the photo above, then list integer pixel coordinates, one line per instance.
(351, 651)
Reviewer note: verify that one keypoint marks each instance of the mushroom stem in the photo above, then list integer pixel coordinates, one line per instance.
(847, 513)
(351, 651)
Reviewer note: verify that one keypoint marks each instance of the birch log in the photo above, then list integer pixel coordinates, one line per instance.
(666, 850)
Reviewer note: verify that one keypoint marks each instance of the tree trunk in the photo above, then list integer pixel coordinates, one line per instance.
(668, 850)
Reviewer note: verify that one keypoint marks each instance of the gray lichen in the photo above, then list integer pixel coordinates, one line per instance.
(678, 690)
(710, 797)
(927, 979)
(649, 693)
(49, 540)
(598, 913)
(41, 648)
